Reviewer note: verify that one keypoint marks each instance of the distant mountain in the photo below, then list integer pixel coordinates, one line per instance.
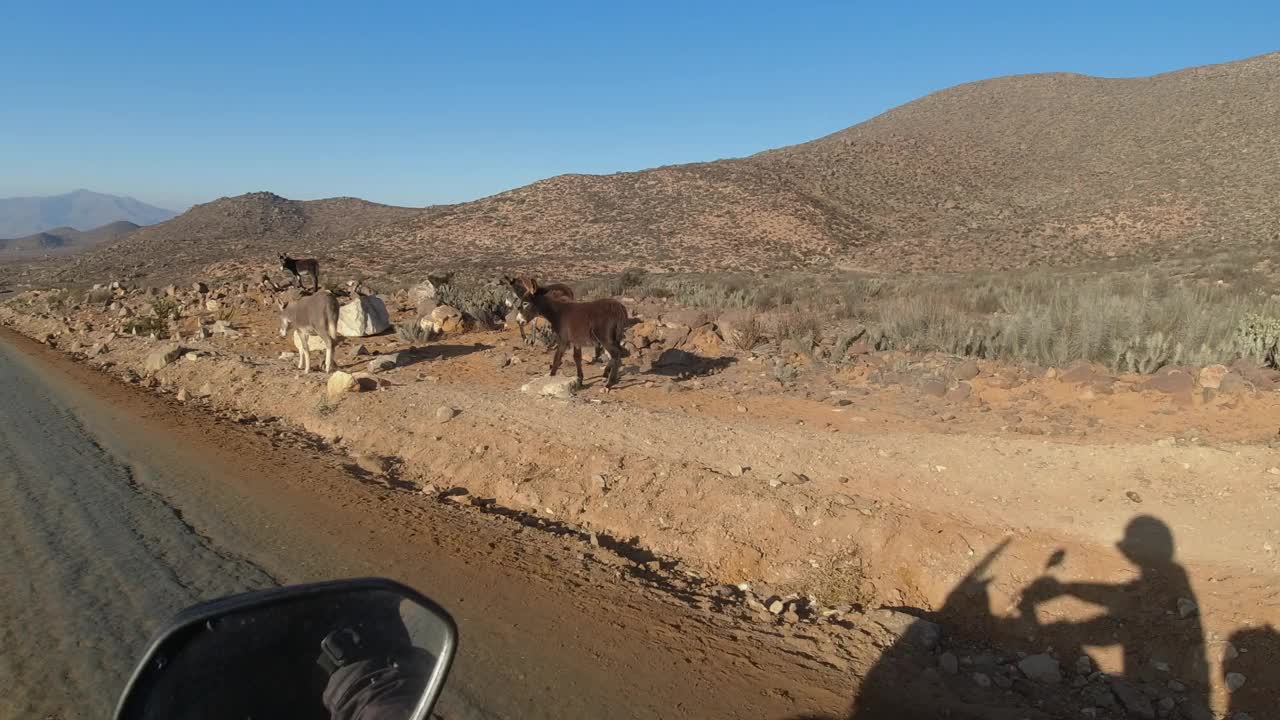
(62, 240)
(79, 210)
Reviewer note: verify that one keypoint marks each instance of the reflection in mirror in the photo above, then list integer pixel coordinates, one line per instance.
(351, 650)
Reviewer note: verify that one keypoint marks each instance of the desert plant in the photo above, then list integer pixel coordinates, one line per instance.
(145, 325)
(413, 332)
(164, 308)
(1258, 337)
(749, 334)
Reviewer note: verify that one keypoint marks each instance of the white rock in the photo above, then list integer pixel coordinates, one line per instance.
(364, 316)
(341, 382)
(564, 386)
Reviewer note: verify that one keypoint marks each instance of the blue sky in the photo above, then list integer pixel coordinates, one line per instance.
(430, 102)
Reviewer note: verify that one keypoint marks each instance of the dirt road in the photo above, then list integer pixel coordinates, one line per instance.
(117, 509)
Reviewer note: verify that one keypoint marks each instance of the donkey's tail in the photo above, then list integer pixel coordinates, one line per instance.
(617, 333)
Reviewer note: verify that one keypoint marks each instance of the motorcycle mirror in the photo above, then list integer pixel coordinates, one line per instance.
(344, 649)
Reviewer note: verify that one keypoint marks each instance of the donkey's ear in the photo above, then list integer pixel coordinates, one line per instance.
(280, 303)
(529, 284)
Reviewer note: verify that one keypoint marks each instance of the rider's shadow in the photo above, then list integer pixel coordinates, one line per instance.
(1152, 619)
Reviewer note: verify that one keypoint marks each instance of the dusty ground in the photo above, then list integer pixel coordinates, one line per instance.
(851, 485)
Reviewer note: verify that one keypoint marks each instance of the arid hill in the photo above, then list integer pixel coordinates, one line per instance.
(62, 240)
(1007, 173)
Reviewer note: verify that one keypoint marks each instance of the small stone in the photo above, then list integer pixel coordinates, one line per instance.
(182, 395)
(205, 390)
(1177, 686)
(1099, 695)
(738, 470)
(286, 356)
(161, 357)
(1133, 496)
(1187, 608)
(340, 383)
(1166, 704)
(382, 363)
(1273, 471)
(792, 478)
(361, 350)
(1002, 681)
(445, 414)
(982, 680)
(933, 387)
(1041, 668)
(1133, 699)
(949, 664)
(191, 356)
(1084, 665)
(790, 616)
(563, 387)
(1235, 681)
(776, 606)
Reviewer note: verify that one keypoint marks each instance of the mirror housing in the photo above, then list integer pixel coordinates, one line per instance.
(325, 650)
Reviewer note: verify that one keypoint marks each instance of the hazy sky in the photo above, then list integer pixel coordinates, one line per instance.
(427, 102)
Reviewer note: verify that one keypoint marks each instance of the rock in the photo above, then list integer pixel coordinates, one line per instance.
(1134, 700)
(1173, 382)
(222, 327)
(502, 360)
(792, 478)
(340, 383)
(1166, 705)
(1187, 607)
(199, 288)
(364, 316)
(933, 387)
(924, 634)
(286, 356)
(1177, 686)
(738, 470)
(373, 464)
(447, 319)
(181, 395)
(160, 357)
(445, 414)
(1084, 665)
(201, 332)
(361, 350)
(1133, 496)
(563, 387)
(1002, 682)
(206, 390)
(966, 370)
(949, 664)
(1235, 681)
(1233, 383)
(982, 680)
(383, 363)
(1211, 376)
(212, 305)
(960, 392)
(1099, 695)
(97, 349)
(1041, 668)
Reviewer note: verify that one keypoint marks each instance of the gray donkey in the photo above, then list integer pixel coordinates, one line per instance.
(311, 315)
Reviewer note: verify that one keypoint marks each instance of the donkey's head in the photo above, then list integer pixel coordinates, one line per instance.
(284, 261)
(285, 322)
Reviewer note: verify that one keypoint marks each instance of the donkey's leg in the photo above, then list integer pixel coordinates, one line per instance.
(555, 360)
(577, 361)
(306, 354)
(301, 346)
(614, 368)
(328, 355)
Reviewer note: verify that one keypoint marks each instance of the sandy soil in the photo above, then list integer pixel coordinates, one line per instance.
(852, 486)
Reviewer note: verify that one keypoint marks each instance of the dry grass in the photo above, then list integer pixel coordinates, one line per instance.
(1129, 321)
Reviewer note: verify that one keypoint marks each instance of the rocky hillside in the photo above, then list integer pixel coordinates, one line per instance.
(238, 235)
(999, 174)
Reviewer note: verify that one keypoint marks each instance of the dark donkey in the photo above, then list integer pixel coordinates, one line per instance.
(297, 266)
(580, 324)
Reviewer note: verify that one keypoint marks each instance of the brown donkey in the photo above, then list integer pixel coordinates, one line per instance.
(580, 324)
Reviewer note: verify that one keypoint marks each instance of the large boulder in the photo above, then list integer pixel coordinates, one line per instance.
(364, 316)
